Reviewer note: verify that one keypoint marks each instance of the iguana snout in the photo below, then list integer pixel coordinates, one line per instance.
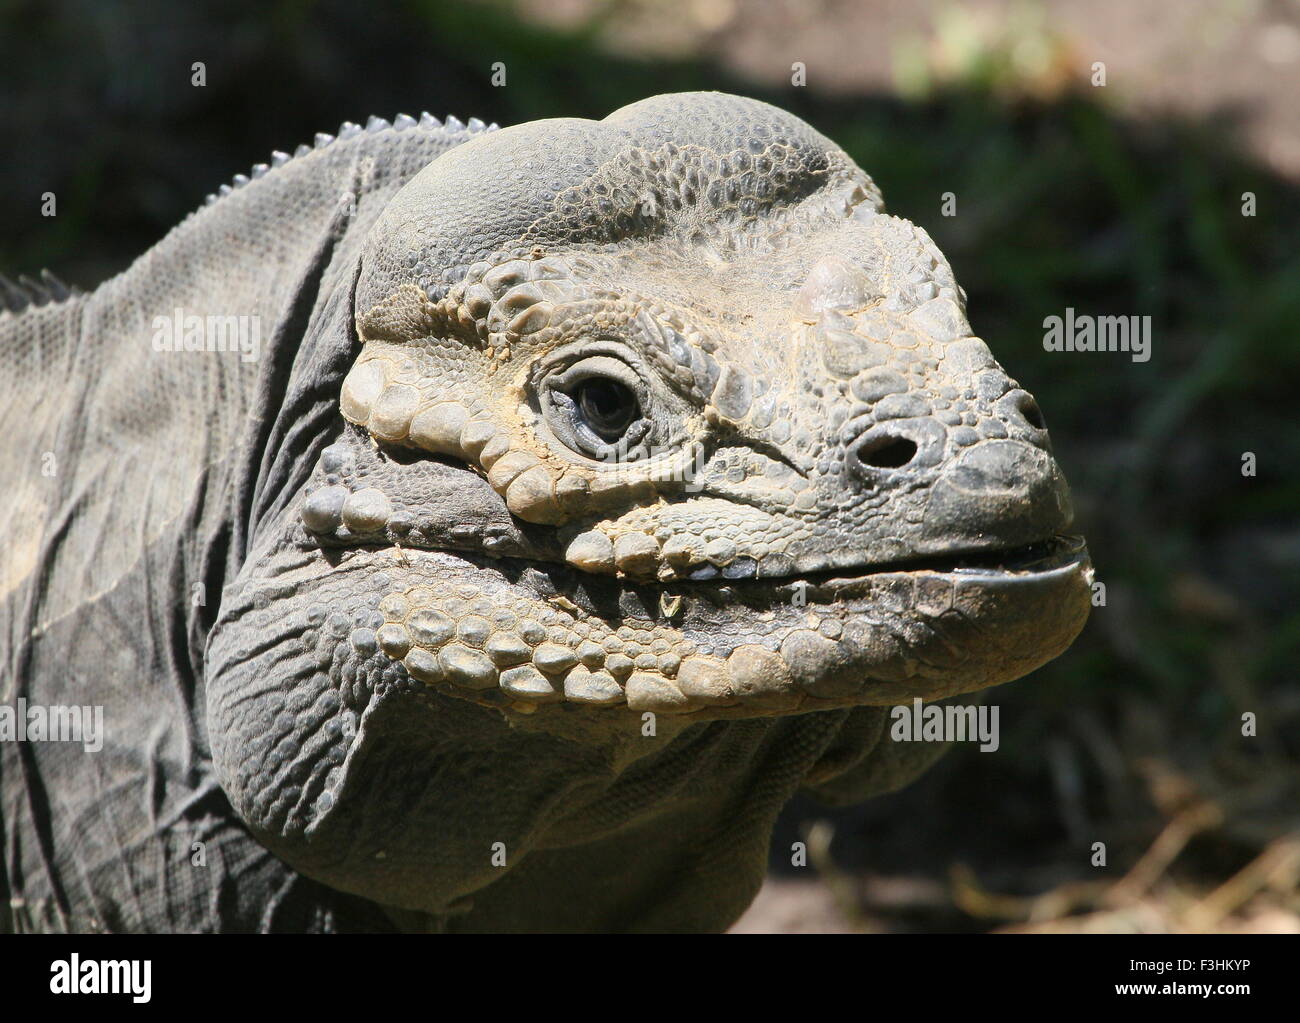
(996, 495)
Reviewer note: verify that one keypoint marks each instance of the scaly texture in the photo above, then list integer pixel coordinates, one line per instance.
(595, 486)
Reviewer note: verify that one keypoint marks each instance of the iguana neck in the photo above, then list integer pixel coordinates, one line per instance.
(127, 405)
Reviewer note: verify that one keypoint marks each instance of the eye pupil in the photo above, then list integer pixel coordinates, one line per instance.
(608, 406)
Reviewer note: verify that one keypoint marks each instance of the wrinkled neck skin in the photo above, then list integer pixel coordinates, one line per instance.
(505, 638)
(364, 777)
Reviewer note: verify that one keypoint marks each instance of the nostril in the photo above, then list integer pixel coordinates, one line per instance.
(887, 452)
(1032, 413)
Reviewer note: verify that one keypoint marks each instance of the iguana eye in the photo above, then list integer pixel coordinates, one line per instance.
(607, 406)
(597, 408)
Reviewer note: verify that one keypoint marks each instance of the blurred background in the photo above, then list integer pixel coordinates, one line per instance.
(1122, 199)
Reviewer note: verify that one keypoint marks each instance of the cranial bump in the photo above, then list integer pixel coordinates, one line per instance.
(598, 688)
(391, 414)
(591, 552)
(322, 512)
(366, 510)
(637, 554)
(438, 428)
(361, 389)
(531, 496)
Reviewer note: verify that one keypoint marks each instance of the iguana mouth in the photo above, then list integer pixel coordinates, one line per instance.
(1002, 564)
(927, 627)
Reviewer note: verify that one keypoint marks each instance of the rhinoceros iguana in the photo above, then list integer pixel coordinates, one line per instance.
(477, 529)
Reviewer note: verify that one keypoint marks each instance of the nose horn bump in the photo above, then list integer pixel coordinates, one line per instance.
(835, 283)
(999, 493)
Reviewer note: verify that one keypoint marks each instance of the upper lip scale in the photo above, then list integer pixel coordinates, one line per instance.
(1056, 547)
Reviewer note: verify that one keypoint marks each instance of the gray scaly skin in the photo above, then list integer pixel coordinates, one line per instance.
(599, 485)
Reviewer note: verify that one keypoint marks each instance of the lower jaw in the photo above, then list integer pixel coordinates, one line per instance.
(931, 629)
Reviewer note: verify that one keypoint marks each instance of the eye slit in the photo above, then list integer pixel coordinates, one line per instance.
(607, 406)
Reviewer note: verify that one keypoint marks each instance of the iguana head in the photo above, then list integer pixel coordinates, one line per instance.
(742, 453)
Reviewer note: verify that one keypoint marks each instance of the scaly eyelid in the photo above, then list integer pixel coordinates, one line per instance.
(562, 360)
(599, 366)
